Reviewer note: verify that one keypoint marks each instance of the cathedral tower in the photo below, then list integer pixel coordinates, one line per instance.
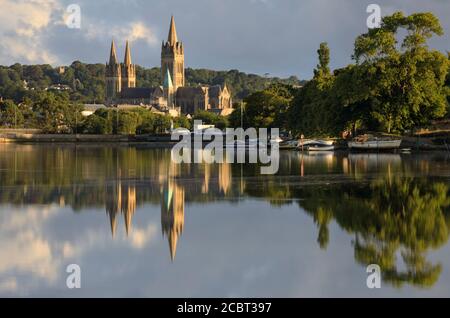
(113, 76)
(128, 70)
(172, 57)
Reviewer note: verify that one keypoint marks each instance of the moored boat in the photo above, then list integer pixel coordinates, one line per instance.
(307, 142)
(289, 144)
(320, 148)
(374, 143)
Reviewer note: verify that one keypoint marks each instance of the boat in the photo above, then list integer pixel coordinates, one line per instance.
(315, 145)
(289, 144)
(307, 142)
(320, 148)
(368, 142)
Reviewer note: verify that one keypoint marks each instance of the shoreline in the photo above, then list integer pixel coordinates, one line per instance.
(164, 141)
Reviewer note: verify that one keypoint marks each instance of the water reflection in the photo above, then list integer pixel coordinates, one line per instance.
(395, 207)
(390, 217)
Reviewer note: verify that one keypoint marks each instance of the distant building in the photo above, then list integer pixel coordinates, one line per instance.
(61, 70)
(173, 96)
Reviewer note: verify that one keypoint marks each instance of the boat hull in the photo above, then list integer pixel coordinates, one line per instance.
(320, 148)
(375, 145)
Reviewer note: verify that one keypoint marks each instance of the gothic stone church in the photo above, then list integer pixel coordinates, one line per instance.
(172, 96)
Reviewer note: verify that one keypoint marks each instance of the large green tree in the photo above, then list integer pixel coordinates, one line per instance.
(56, 114)
(399, 80)
(314, 111)
(265, 109)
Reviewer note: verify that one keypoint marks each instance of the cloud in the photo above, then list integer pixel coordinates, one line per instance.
(255, 36)
(22, 26)
(139, 238)
(133, 31)
(32, 256)
(8, 285)
(23, 246)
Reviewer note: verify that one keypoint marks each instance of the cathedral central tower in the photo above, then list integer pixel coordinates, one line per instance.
(172, 57)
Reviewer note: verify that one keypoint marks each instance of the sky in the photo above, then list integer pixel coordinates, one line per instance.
(278, 37)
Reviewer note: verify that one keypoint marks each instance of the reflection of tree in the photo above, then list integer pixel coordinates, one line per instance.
(389, 217)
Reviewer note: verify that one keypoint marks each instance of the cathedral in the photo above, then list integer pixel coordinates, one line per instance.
(173, 96)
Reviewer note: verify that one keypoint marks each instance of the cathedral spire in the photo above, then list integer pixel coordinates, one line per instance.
(113, 54)
(168, 80)
(172, 38)
(127, 60)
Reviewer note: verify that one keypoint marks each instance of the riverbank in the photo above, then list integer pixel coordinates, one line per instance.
(429, 142)
(32, 137)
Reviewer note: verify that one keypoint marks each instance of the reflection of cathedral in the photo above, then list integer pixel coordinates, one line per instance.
(172, 215)
(120, 199)
(122, 195)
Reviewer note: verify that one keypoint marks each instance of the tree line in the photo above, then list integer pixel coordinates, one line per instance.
(53, 112)
(85, 83)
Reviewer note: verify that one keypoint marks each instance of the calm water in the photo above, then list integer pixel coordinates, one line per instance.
(139, 225)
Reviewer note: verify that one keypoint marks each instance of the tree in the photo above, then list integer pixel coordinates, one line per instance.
(127, 123)
(53, 112)
(10, 115)
(268, 108)
(162, 124)
(404, 86)
(182, 122)
(314, 109)
(96, 124)
(209, 118)
(323, 69)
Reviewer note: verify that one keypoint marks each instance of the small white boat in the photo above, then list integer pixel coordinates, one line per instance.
(306, 142)
(375, 144)
(320, 148)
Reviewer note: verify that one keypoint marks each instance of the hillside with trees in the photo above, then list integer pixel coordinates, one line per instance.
(85, 83)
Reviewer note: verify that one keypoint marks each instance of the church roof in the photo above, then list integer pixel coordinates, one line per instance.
(137, 92)
(215, 91)
(189, 92)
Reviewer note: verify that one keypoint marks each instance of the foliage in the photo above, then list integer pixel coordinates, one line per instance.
(126, 122)
(85, 83)
(267, 108)
(241, 84)
(393, 217)
(182, 122)
(55, 114)
(10, 115)
(394, 86)
(209, 118)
